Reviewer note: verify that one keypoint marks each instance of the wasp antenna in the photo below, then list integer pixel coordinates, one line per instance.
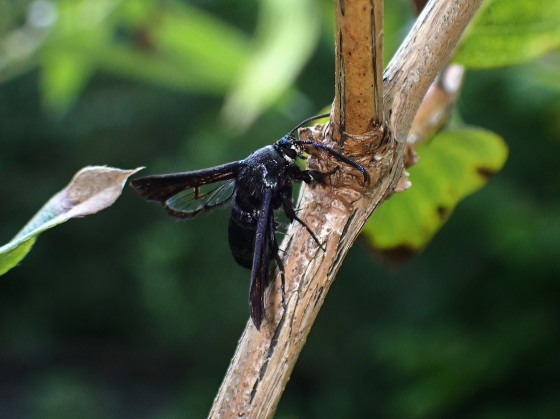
(302, 123)
(340, 156)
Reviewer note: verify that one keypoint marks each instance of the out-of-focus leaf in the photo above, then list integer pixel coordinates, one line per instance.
(63, 77)
(454, 164)
(286, 35)
(507, 32)
(66, 69)
(76, 17)
(171, 44)
(21, 36)
(541, 74)
(204, 47)
(91, 189)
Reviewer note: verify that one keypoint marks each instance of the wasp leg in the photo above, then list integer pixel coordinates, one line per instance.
(310, 175)
(290, 212)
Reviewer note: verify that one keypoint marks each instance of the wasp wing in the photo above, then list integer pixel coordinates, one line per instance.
(184, 194)
(160, 188)
(188, 203)
(261, 258)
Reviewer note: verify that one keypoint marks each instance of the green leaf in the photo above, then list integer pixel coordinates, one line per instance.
(91, 189)
(507, 32)
(208, 52)
(13, 252)
(454, 164)
(63, 78)
(171, 44)
(286, 36)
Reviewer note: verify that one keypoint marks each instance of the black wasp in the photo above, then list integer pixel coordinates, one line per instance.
(256, 186)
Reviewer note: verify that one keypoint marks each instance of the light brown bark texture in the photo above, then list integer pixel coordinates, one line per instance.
(337, 211)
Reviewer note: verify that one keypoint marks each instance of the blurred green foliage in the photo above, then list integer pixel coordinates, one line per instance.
(507, 32)
(128, 313)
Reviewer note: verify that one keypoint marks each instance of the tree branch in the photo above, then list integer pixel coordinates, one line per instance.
(263, 361)
(423, 53)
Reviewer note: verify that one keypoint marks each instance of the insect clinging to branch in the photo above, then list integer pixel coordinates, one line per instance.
(256, 186)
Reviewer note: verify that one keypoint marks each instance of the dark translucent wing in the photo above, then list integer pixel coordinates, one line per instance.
(188, 203)
(261, 259)
(160, 188)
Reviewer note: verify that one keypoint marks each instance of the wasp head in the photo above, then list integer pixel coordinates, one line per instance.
(290, 147)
